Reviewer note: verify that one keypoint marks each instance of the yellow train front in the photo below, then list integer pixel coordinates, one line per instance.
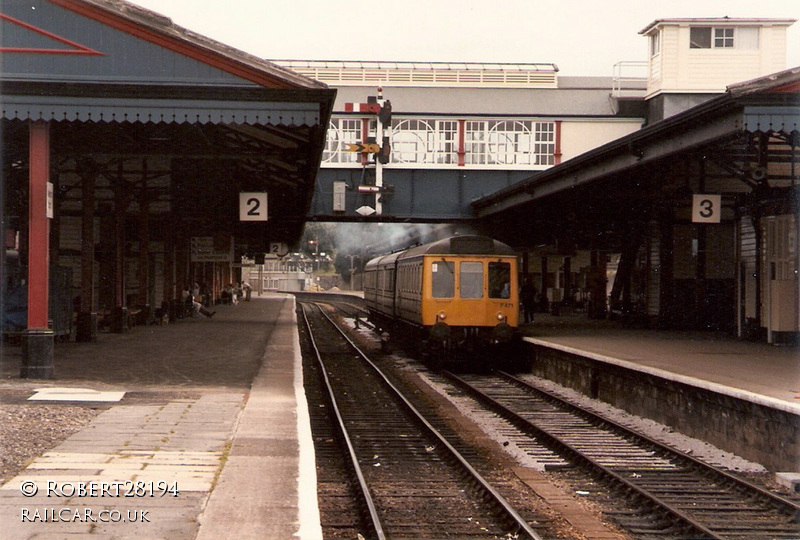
(456, 293)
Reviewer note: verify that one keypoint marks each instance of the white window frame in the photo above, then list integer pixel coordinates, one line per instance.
(729, 38)
(425, 141)
(435, 142)
(341, 132)
(655, 44)
(509, 142)
(723, 38)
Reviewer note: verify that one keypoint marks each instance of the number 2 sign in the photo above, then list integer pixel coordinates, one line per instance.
(252, 206)
(706, 208)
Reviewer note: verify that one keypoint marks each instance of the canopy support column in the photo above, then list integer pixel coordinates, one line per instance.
(86, 330)
(38, 342)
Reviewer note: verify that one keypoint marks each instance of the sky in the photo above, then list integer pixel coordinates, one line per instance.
(582, 37)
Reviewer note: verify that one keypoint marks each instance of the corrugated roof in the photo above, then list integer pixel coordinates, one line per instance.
(725, 114)
(788, 78)
(160, 25)
(143, 68)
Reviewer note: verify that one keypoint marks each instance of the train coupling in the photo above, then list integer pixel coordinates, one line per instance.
(502, 333)
(440, 332)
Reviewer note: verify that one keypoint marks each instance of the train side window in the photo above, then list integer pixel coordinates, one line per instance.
(499, 280)
(470, 284)
(443, 280)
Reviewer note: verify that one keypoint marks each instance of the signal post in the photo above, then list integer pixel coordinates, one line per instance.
(381, 151)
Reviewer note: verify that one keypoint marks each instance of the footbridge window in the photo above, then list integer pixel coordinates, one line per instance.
(426, 141)
(509, 142)
(341, 132)
(448, 142)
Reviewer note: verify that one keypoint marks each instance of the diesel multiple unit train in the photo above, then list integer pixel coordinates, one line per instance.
(456, 293)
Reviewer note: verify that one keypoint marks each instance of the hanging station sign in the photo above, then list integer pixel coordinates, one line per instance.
(706, 208)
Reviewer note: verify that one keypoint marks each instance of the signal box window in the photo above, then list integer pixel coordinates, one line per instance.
(443, 282)
(700, 38)
(706, 37)
(655, 44)
(723, 38)
(499, 280)
(470, 280)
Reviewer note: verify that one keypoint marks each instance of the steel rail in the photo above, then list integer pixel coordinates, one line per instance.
(373, 512)
(741, 483)
(520, 522)
(565, 447)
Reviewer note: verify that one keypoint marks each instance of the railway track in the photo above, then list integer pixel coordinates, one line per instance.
(658, 492)
(412, 481)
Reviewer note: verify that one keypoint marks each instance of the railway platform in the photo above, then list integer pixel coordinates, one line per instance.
(202, 432)
(717, 360)
(741, 396)
(216, 408)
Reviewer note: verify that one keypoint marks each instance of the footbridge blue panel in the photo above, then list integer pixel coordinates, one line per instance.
(416, 195)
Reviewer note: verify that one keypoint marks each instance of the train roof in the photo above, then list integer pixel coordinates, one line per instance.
(462, 245)
(453, 245)
(384, 259)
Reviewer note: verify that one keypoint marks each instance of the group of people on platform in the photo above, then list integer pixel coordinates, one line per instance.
(234, 292)
(194, 301)
(193, 297)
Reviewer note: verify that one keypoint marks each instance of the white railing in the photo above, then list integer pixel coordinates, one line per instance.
(502, 75)
(629, 80)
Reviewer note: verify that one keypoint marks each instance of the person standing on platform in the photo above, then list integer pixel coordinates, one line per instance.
(247, 290)
(527, 296)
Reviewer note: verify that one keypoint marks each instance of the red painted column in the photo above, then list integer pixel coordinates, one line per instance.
(38, 226)
(462, 150)
(557, 149)
(37, 340)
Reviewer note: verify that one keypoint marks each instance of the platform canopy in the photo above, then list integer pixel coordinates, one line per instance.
(741, 143)
(158, 117)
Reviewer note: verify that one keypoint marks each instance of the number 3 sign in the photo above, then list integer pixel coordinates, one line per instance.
(252, 206)
(706, 208)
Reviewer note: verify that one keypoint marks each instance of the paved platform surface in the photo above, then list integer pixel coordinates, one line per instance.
(210, 440)
(759, 372)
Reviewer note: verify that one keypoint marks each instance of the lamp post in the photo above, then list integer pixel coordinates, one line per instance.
(314, 243)
(352, 270)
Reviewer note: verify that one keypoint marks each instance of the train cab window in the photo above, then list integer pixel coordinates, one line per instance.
(470, 284)
(499, 280)
(443, 280)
